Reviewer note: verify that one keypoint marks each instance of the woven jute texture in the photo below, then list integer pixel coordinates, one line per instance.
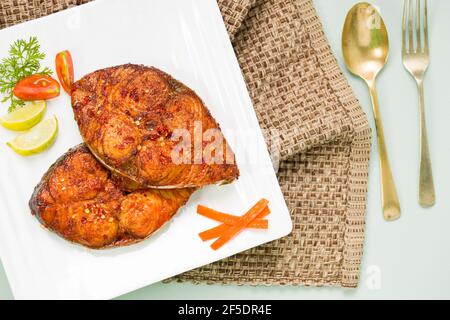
(323, 135)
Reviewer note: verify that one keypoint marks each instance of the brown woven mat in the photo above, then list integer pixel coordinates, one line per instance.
(297, 89)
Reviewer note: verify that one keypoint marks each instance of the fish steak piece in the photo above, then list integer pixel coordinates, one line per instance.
(151, 130)
(78, 200)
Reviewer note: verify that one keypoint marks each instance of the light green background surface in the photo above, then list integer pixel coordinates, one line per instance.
(409, 258)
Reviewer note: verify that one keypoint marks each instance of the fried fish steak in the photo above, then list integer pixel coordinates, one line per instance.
(78, 200)
(150, 129)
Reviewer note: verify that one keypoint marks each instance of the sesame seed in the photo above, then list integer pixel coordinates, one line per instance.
(147, 91)
(63, 188)
(87, 211)
(139, 147)
(73, 216)
(111, 219)
(137, 122)
(103, 216)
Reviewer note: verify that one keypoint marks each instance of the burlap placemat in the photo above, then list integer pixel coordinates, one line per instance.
(324, 141)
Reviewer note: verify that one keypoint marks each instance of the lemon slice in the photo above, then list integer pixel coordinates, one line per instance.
(25, 117)
(37, 139)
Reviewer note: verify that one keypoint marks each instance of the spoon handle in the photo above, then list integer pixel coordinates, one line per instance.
(390, 203)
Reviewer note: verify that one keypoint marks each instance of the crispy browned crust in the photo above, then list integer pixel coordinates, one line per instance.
(78, 200)
(127, 116)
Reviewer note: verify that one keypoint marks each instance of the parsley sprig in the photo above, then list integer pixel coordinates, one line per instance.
(23, 61)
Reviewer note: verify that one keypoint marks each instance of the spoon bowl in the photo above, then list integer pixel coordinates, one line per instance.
(365, 42)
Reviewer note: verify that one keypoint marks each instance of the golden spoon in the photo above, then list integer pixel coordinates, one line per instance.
(365, 46)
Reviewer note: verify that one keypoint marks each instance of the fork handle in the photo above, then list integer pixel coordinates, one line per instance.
(427, 195)
(389, 198)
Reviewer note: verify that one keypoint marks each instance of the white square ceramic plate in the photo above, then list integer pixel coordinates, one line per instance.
(186, 38)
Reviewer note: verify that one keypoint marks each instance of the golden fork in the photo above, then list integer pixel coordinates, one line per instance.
(416, 60)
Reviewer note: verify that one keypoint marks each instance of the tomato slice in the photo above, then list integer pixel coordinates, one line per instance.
(37, 87)
(64, 69)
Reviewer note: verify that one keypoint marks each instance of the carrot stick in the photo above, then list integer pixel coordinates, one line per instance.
(216, 215)
(213, 232)
(220, 229)
(229, 218)
(216, 232)
(243, 222)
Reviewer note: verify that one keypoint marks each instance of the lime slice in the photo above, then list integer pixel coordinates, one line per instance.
(25, 117)
(36, 140)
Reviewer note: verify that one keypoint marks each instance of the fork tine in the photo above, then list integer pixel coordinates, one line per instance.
(425, 28)
(405, 14)
(418, 29)
(410, 26)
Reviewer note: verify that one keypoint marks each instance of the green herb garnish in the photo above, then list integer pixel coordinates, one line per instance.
(23, 61)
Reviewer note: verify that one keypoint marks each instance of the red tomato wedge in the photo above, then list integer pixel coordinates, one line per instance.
(64, 69)
(37, 87)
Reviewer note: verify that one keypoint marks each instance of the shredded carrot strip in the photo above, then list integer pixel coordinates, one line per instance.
(220, 229)
(229, 218)
(213, 232)
(242, 223)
